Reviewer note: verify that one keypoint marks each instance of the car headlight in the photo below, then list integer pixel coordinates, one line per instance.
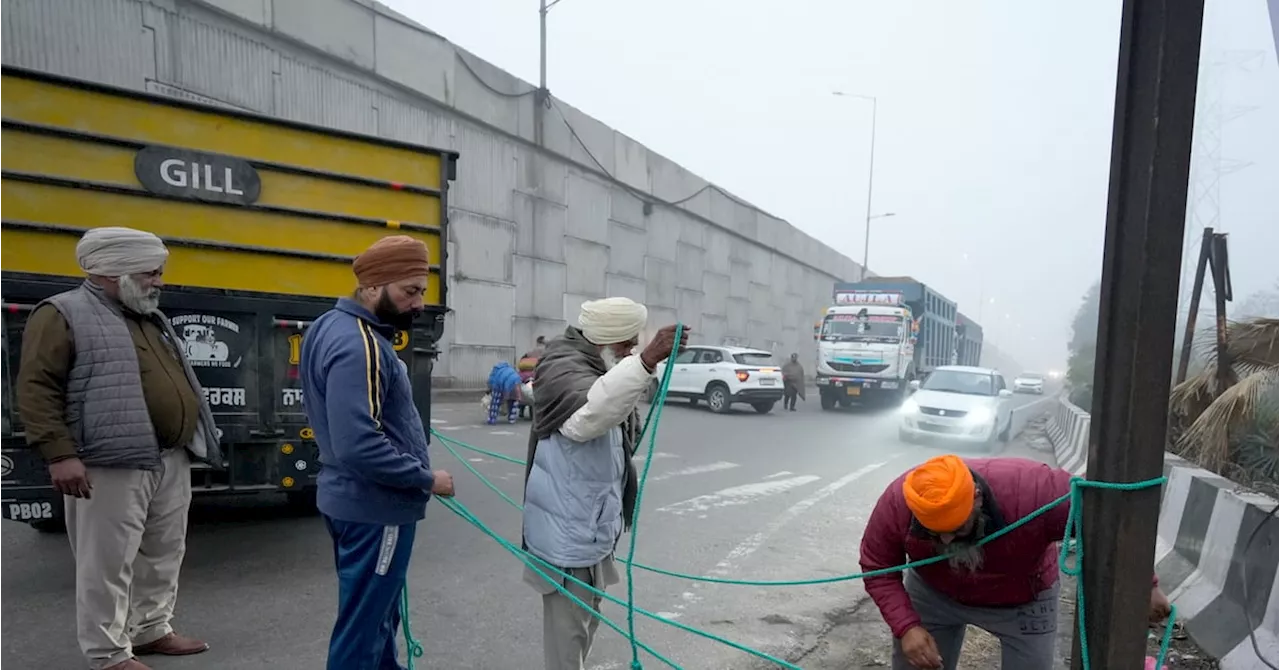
(910, 406)
(980, 415)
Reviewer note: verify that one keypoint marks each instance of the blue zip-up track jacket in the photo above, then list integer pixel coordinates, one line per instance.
(358, 399)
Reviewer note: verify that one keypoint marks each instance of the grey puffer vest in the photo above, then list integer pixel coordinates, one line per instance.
(106, 410)
(573, 501)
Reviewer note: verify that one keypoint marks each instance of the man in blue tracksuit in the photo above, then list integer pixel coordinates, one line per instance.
(375, 476)
(504, 386)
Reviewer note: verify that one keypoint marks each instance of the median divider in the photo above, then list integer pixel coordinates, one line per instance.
(1215, 550)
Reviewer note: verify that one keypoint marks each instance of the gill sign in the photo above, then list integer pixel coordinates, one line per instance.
(196, 175)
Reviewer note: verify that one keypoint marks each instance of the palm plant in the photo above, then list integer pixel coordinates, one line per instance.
(1232, 428)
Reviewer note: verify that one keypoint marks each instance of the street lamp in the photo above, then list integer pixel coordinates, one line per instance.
(543, 7)
(871, 169)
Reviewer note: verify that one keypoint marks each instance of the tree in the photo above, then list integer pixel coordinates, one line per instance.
(1082, 349)
(1232, 430)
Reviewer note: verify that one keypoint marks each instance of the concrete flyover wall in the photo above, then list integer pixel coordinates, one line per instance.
(536, 230)
(1215, 551)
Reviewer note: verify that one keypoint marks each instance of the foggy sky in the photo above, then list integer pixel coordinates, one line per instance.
(992, 139)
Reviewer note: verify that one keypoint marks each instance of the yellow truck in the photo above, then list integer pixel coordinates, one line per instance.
(262, 218)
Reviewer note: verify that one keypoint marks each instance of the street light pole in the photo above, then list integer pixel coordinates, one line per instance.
(871, 170)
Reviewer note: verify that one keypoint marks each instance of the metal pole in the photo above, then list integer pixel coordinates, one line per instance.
(542, 45)
(1222, 293)
(1197, 287)
(871, 171)
(540, 98)
(1142, 257)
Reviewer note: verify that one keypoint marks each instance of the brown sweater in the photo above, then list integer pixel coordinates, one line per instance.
(48, 352)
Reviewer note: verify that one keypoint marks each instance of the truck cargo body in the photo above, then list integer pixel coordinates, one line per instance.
(262, 219)
(883, 367)
(968, 341)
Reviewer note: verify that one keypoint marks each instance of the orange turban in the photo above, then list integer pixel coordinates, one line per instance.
(939, 493)
(391, 259)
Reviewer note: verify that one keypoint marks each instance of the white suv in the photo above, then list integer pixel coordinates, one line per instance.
(723, 376)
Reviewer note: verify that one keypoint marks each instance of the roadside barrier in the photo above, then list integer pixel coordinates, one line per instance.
(556, 577)
(1215, 551)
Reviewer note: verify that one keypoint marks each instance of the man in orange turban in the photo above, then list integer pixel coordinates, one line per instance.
(944, 507)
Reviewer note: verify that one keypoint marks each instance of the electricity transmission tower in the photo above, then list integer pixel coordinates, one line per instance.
(1208, 166)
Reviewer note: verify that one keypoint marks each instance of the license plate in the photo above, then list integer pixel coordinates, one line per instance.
(854, 390)
(29, 511)
(768, 382)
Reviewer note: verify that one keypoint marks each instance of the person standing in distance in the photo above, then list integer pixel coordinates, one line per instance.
(375, 477)
(580, 483)
(114, 407)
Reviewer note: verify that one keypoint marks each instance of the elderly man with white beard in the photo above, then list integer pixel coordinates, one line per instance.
(580, 483)
(116, 411)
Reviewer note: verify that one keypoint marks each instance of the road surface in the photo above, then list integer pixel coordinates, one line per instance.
(778, 496)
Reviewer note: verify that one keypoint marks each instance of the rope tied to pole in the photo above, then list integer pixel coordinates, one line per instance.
(557, 578)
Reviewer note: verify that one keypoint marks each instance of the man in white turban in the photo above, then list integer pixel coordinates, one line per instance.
(116, 411)
(580, 483)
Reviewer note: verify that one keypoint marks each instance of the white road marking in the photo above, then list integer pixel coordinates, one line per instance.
(476, 460)
(609, 665)
(436, 421)
(738, 495)
(695, 470)
(668, 615)
(501, 432)
(749, 546)
(784, 473)
(754, 542)
(656, 455)
(454, 427)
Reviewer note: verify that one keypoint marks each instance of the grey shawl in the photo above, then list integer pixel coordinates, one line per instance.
(568, 367)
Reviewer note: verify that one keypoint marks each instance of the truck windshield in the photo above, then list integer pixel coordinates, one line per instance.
(853, 328)
(957, 381)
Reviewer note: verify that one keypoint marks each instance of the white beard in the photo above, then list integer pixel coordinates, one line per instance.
(136, 298)
(610, 359)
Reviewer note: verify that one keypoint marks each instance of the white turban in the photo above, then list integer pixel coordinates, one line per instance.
(115, 252)
(612, 320)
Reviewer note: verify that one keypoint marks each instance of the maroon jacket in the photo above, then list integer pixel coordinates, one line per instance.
(1015, 567)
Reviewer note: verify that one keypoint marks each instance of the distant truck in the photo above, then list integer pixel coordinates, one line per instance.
(883, 333)
(262, 219)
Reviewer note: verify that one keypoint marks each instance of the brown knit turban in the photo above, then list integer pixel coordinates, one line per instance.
(391, 259)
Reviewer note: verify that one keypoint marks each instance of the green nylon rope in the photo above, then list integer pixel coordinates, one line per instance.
(540, 566)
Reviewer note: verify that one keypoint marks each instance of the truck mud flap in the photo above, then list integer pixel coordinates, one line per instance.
(28, 494)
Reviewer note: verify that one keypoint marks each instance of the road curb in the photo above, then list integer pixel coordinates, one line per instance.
(1215, 550)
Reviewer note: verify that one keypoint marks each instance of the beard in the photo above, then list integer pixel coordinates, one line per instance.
(964, 553)
(610, 358)
(136, 298)
(387, 313)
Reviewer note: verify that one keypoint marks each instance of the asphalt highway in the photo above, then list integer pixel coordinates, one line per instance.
(761, 497)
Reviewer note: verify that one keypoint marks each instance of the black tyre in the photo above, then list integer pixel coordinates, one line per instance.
(718, 398)
(1007, 433)
(55, 525)
(764, 407)
(905, 437)
(302, 502)
(828, 401)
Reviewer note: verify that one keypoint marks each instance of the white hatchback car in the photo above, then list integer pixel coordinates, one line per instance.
(723, 376)
(958, 403)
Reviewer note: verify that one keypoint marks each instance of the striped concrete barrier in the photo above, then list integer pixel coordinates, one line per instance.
(1216, 551)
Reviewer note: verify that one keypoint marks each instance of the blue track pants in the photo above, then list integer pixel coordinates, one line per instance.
(371, 562)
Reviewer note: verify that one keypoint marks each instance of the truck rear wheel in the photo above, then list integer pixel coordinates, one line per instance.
(52, 526)
(827, 400)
